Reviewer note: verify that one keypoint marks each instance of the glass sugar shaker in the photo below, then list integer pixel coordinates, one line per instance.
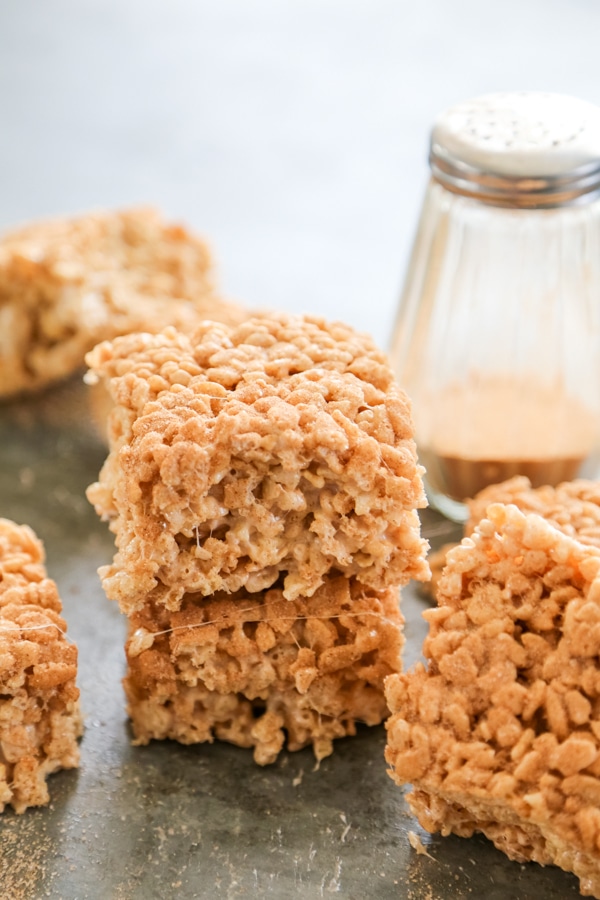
(497, 339)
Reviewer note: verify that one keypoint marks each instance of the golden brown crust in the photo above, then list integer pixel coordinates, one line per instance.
(255, 668)
(501, 732)
(281, 446)
(39, 708)
(66, 284)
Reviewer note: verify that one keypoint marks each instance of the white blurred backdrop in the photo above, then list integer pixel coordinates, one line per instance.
(291, 133)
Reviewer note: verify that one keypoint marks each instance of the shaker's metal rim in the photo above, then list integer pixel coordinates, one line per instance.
(580, 185)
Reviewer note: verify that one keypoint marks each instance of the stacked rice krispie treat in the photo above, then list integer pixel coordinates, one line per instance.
(39, 702)
(501, 732)
(262, 485)
(66, 284)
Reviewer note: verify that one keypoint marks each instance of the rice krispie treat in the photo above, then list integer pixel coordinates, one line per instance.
(66, 284)
(501, 733)
(253, 668)
(39, 710)
(573, 507)
(283, 446)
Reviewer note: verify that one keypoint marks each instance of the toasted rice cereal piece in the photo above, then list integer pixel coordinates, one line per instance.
(66, 284)
(254, 668)
(282, 446)
(39, 702)
(501, 733)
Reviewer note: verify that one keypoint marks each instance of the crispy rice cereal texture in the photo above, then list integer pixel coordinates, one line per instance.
(281, 446)
(39, 710)
(251, 668)
(501, 733)
(573, 507)
(66, 284)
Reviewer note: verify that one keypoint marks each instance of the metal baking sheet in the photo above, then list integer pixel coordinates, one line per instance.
(202, 822)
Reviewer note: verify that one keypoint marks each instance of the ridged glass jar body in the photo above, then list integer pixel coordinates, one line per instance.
(497, 342)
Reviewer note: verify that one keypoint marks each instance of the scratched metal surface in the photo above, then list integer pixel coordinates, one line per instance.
(205, 821)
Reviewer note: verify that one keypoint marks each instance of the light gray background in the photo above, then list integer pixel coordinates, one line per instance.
(293, 134)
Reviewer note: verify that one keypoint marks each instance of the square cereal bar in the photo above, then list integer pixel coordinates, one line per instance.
(573, 507)
(251, 668)
(280, 447)
(501, 732)
(39, 709)
(66, 284)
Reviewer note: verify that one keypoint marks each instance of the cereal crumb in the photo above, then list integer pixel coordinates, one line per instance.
(417, 844)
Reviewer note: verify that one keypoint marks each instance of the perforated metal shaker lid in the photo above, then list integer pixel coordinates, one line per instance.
(524, 149)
